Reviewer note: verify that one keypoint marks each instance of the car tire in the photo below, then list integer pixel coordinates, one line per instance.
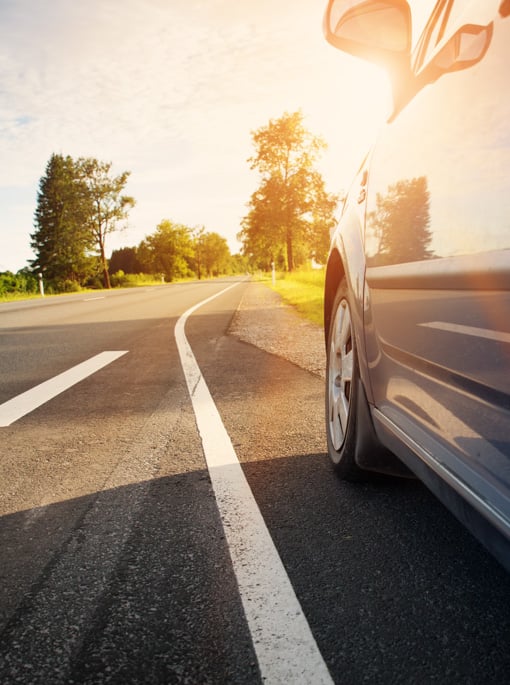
(342, 388)
(353, 445)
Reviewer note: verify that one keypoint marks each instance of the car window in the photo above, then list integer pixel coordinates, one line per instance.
(434, 31)
(448, 17)
(421, 11)
(462, 151)
(455, 18)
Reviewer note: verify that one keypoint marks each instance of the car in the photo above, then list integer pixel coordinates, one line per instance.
(417, 286)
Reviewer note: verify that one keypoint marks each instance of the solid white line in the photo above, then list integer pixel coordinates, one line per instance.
(15, 408)
(285, 647)
(469, 330)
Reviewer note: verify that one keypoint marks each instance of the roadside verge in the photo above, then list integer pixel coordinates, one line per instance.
(264, 320)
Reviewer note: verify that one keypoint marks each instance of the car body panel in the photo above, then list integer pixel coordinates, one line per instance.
(435, 298)
(348, 248)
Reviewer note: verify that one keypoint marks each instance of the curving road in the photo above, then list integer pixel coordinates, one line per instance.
(129, 555)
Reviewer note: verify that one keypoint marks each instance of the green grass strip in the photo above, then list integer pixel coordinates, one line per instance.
(303, 290)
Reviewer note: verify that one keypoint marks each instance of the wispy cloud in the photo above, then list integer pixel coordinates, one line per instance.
(169, 90)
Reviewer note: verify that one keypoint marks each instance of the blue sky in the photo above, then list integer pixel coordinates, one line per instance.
(170, 90)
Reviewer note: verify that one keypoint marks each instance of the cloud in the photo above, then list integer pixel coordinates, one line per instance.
(169, 90)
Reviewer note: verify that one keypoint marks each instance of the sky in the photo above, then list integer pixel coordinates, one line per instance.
(170, 90)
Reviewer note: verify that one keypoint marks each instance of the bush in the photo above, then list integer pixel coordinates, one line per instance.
(67, 286)
(122, 280)
(118, 279)
(23, 282)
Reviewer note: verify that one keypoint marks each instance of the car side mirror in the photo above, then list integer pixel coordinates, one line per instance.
(464, 49)
(375, 30)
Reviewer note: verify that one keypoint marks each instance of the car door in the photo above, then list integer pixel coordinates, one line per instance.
(437, 241)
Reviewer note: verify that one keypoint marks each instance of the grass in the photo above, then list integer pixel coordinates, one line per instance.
(303, 290)
(129, 281)
(14, 297)
(122, 280)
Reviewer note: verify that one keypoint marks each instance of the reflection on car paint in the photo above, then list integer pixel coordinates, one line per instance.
(398, 229)
(462, 119)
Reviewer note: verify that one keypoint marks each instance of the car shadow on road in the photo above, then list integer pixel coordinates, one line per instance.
(393, 586)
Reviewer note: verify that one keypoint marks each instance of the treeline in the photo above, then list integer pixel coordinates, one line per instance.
(173, 251)
(176, 251)
(24, 282)
(80, 203)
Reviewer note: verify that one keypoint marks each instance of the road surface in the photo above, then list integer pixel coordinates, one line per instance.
(168, 515)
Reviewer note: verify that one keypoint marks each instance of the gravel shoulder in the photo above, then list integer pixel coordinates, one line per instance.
(264, 320)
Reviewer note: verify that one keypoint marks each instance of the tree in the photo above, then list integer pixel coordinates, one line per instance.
(215, 254)
(169, 250)
(261, 234)
(198, 239)
(61, 240)
(399, 227)
(239, 264)
(125, 259)
(107, 206)
(291, 206)
(323, 221)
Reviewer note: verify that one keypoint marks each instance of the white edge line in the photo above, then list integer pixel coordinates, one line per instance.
(285, 647)
(23, 404)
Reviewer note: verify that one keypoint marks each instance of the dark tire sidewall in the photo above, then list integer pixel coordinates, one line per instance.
(344, 458)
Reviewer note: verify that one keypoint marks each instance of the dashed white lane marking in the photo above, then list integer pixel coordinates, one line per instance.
(487, 333)
(92, 299)
(285, 647)
(18, 406)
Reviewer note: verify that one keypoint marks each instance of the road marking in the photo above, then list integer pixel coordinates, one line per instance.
(15, 408)
(285, 647)
(91, 299)
(469, 330)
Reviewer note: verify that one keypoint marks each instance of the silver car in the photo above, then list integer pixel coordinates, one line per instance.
(417, 296)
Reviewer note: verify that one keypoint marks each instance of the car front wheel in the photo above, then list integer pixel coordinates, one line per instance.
(353, 445)
(342, 387)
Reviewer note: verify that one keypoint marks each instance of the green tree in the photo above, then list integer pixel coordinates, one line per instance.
(291, 206)
(169, 250)
(107, 206)
(212, 254)
(125, 259)
(261, 234)
(322, 223)
(23, 282)
(198, 240)
(61, 240)
(239, 264)
(215, 254)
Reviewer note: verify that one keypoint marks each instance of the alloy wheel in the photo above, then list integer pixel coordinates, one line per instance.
(340, 370)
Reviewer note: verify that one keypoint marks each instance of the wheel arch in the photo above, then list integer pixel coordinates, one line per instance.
(335, 271)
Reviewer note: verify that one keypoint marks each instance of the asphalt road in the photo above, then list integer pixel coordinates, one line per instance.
(115, 564)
